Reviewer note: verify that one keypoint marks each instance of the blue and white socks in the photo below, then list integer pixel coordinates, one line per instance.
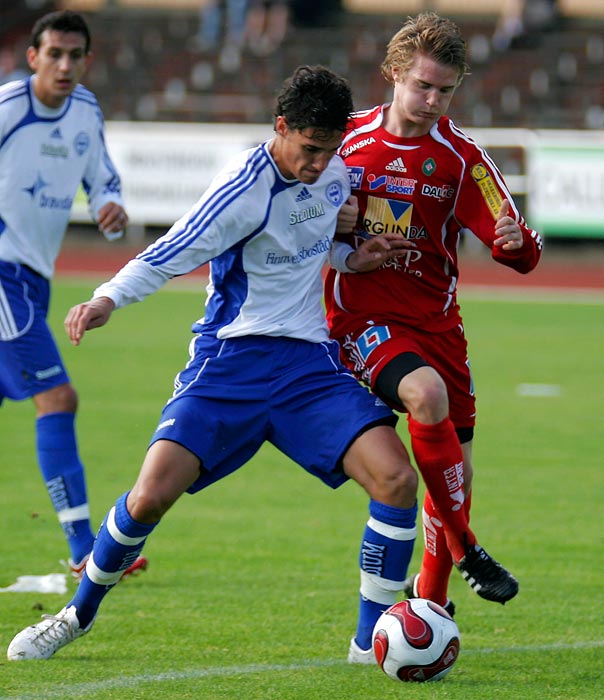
(118, 544)
(63, 474)
(386, 551)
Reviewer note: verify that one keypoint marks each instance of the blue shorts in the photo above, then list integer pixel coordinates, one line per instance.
(30, 361)
(236, 394)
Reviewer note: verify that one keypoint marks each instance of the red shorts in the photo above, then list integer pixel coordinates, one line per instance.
(367, 352)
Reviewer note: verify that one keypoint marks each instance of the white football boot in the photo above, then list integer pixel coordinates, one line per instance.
(42, 640)
(356, 655)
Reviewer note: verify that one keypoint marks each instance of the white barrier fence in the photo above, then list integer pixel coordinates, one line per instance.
(165, 167)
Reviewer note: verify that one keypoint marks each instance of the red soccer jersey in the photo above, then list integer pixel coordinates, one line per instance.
(428, 188)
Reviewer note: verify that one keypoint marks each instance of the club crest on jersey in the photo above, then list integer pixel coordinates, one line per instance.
(335, 193)
(81, 143)
(387, 216)
(355, 175)
(429, 167)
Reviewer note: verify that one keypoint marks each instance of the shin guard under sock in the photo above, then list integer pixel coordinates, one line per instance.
(437, 562)
(118, 544)
(63, 474)
(386, 550)
(439, 459)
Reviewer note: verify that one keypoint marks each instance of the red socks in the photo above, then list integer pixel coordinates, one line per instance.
(433, 582)
(439, 459)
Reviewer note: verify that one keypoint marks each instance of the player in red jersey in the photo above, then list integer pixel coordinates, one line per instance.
(416, 174)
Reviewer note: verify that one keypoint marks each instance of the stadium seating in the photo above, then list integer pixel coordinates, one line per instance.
(148, 67)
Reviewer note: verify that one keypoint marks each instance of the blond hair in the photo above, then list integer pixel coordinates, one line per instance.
(429, 34)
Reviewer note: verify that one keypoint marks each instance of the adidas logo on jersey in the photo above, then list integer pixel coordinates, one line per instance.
(56, 133)
(303, 195)
(397, 165)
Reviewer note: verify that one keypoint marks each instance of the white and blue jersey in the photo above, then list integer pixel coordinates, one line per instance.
(44, 156)
(267, 238)
(261, 365)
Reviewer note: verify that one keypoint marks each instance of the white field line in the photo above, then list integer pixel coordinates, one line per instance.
(82, 690)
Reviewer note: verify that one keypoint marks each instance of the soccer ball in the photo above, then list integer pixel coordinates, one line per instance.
(416, 640)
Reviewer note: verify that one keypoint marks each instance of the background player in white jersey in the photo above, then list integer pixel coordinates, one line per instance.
(261, 367)
(414, 172)
(51, 140)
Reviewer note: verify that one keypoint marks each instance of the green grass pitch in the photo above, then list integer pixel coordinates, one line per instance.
(252, 587)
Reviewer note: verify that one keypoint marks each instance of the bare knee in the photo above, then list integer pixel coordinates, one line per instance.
(168, 470)
(395, 487)
(378, 461)
(59, 399)
(146, 505)
(424, 394)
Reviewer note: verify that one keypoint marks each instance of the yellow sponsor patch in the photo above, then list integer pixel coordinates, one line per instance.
(387, 216)
(489, 191)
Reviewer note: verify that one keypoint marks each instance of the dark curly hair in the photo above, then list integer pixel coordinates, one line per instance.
(315, 97)
(60, 21)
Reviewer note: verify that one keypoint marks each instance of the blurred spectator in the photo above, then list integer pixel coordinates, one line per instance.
(521, 22)
(222, 26)
(267, 24)
(9, 69)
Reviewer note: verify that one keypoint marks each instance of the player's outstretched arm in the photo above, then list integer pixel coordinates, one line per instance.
(88, 315)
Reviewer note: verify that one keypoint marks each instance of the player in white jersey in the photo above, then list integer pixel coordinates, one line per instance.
(261, 365)
(51, 140)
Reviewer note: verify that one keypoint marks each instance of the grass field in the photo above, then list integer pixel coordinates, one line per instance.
(252, 588)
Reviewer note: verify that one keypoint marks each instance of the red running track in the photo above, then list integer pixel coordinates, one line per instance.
(556, 270)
